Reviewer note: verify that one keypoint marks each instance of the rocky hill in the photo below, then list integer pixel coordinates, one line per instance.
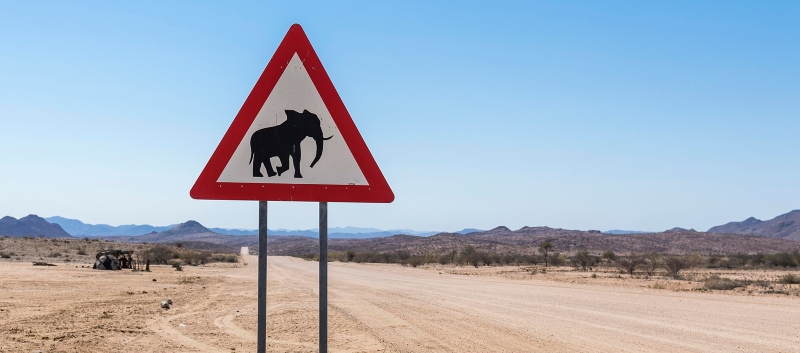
(785, 226)
(188, 231)
(525, 240)
(30, 225)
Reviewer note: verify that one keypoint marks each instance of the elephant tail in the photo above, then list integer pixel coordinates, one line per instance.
(251, 157)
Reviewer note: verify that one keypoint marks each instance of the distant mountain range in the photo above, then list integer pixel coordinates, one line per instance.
(79, 229)
(785, 226)
(740, 236)
(619, 231)
(30, 225)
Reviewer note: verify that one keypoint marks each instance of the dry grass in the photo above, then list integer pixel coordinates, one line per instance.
(749, 282)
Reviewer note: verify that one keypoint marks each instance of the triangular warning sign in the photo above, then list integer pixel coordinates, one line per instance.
(293, 139)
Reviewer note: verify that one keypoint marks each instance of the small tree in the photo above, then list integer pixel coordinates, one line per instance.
(470, 256)
(544, 249)
(629, 264)
(582, 259)
(349, 255)
(403, 256)
(609, 256)
(674, 264)
(652, 263)
(159, 254)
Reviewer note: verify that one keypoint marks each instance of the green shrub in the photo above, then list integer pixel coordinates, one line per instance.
(781, 259)
(194, 258)
(158, 254)
(721, 283)
(582, 260)
(223, 258)
(416, 260)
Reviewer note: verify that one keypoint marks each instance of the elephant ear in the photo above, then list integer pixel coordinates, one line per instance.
(290, 114)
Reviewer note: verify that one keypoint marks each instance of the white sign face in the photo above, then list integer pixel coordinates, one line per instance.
(286, 134)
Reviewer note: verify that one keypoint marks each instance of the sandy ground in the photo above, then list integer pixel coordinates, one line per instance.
(373, 308)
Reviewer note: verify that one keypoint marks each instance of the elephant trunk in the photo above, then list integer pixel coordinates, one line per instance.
(319, 151)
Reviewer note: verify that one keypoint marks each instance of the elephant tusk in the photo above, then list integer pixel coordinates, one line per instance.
(327, 138)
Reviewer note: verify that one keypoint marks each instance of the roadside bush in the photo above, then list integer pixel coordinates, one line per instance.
(609, 257)
(54, 254)
(582, 260)
(652, 262)
(789, 279)
(194, 258)
(629, 264)
(491, 259)
(81, 251)
(713, 261)
(403, 256)
(781, 259)
(349, 255)
(366, 257)
(675, 264)
(6, 255)
(469, 256)
(159, 255)
(558, 259)
(416, 260)
(733, 261)
(721, 283)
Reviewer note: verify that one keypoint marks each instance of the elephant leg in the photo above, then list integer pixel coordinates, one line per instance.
(257, 165)
(296, 161)
(284, 164)
(268, 166)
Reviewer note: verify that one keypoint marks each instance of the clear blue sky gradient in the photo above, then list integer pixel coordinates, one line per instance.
(580, 115)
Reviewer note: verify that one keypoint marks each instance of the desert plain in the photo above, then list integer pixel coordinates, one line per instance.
(385, 308)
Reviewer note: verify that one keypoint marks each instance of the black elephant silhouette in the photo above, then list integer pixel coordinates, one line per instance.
(283, 141)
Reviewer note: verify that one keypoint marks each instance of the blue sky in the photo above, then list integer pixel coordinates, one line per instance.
(580, 115)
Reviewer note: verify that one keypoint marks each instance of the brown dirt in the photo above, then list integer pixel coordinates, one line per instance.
(376, 308)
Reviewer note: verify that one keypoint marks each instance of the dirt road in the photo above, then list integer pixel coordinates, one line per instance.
(374, 308)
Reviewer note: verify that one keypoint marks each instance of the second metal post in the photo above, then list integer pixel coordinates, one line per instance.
(323, 277)
(261, 345)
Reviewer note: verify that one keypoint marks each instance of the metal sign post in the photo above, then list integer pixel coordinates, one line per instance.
(323, 277)
(262, 277)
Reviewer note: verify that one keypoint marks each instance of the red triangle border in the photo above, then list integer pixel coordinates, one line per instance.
(207, 188)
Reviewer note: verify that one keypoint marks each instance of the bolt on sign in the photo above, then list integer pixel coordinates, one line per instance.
(293, 140)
